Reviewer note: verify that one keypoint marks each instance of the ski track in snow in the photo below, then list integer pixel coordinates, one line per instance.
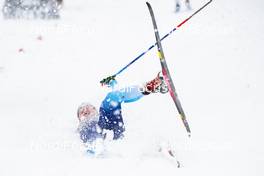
(48, 68)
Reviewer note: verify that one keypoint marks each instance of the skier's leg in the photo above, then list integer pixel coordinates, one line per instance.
(104, 121)
(110, 117)
(178, 6)
(112, 120)
(188, 5)
(118, 131)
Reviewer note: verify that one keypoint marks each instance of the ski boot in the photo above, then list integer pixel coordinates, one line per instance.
(156, 85)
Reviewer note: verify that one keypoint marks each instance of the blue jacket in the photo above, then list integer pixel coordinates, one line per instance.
(110, 114)
(89, 131)
(111, 111)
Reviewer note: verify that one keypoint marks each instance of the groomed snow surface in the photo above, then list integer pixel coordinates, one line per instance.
(48, 68)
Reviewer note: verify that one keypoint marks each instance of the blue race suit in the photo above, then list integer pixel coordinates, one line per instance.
(89, 131)
(110, 115)
(110, 111)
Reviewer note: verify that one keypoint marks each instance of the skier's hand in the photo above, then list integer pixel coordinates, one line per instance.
(107, 81)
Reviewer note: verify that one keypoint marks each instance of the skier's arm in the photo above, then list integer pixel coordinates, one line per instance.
(134, 93)
(131, 94)
(127, 94)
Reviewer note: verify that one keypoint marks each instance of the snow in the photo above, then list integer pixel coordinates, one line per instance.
(216, 61)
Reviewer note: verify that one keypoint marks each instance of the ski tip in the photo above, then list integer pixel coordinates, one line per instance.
(148, 4)
(209, 1)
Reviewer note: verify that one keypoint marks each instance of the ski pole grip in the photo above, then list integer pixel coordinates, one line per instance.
(107, 80)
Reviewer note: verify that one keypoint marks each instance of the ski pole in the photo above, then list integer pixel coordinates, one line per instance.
(109, 78)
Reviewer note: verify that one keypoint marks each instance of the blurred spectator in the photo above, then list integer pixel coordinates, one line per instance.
(44, 9)
(178, 5)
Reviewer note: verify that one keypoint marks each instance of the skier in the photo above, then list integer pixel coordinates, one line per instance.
(93, 124)
(178, 6)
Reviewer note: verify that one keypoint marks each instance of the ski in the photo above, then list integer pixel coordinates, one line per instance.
(166, 73)
(109, 78)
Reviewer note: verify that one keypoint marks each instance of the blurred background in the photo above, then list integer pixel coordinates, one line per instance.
(53, 55)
